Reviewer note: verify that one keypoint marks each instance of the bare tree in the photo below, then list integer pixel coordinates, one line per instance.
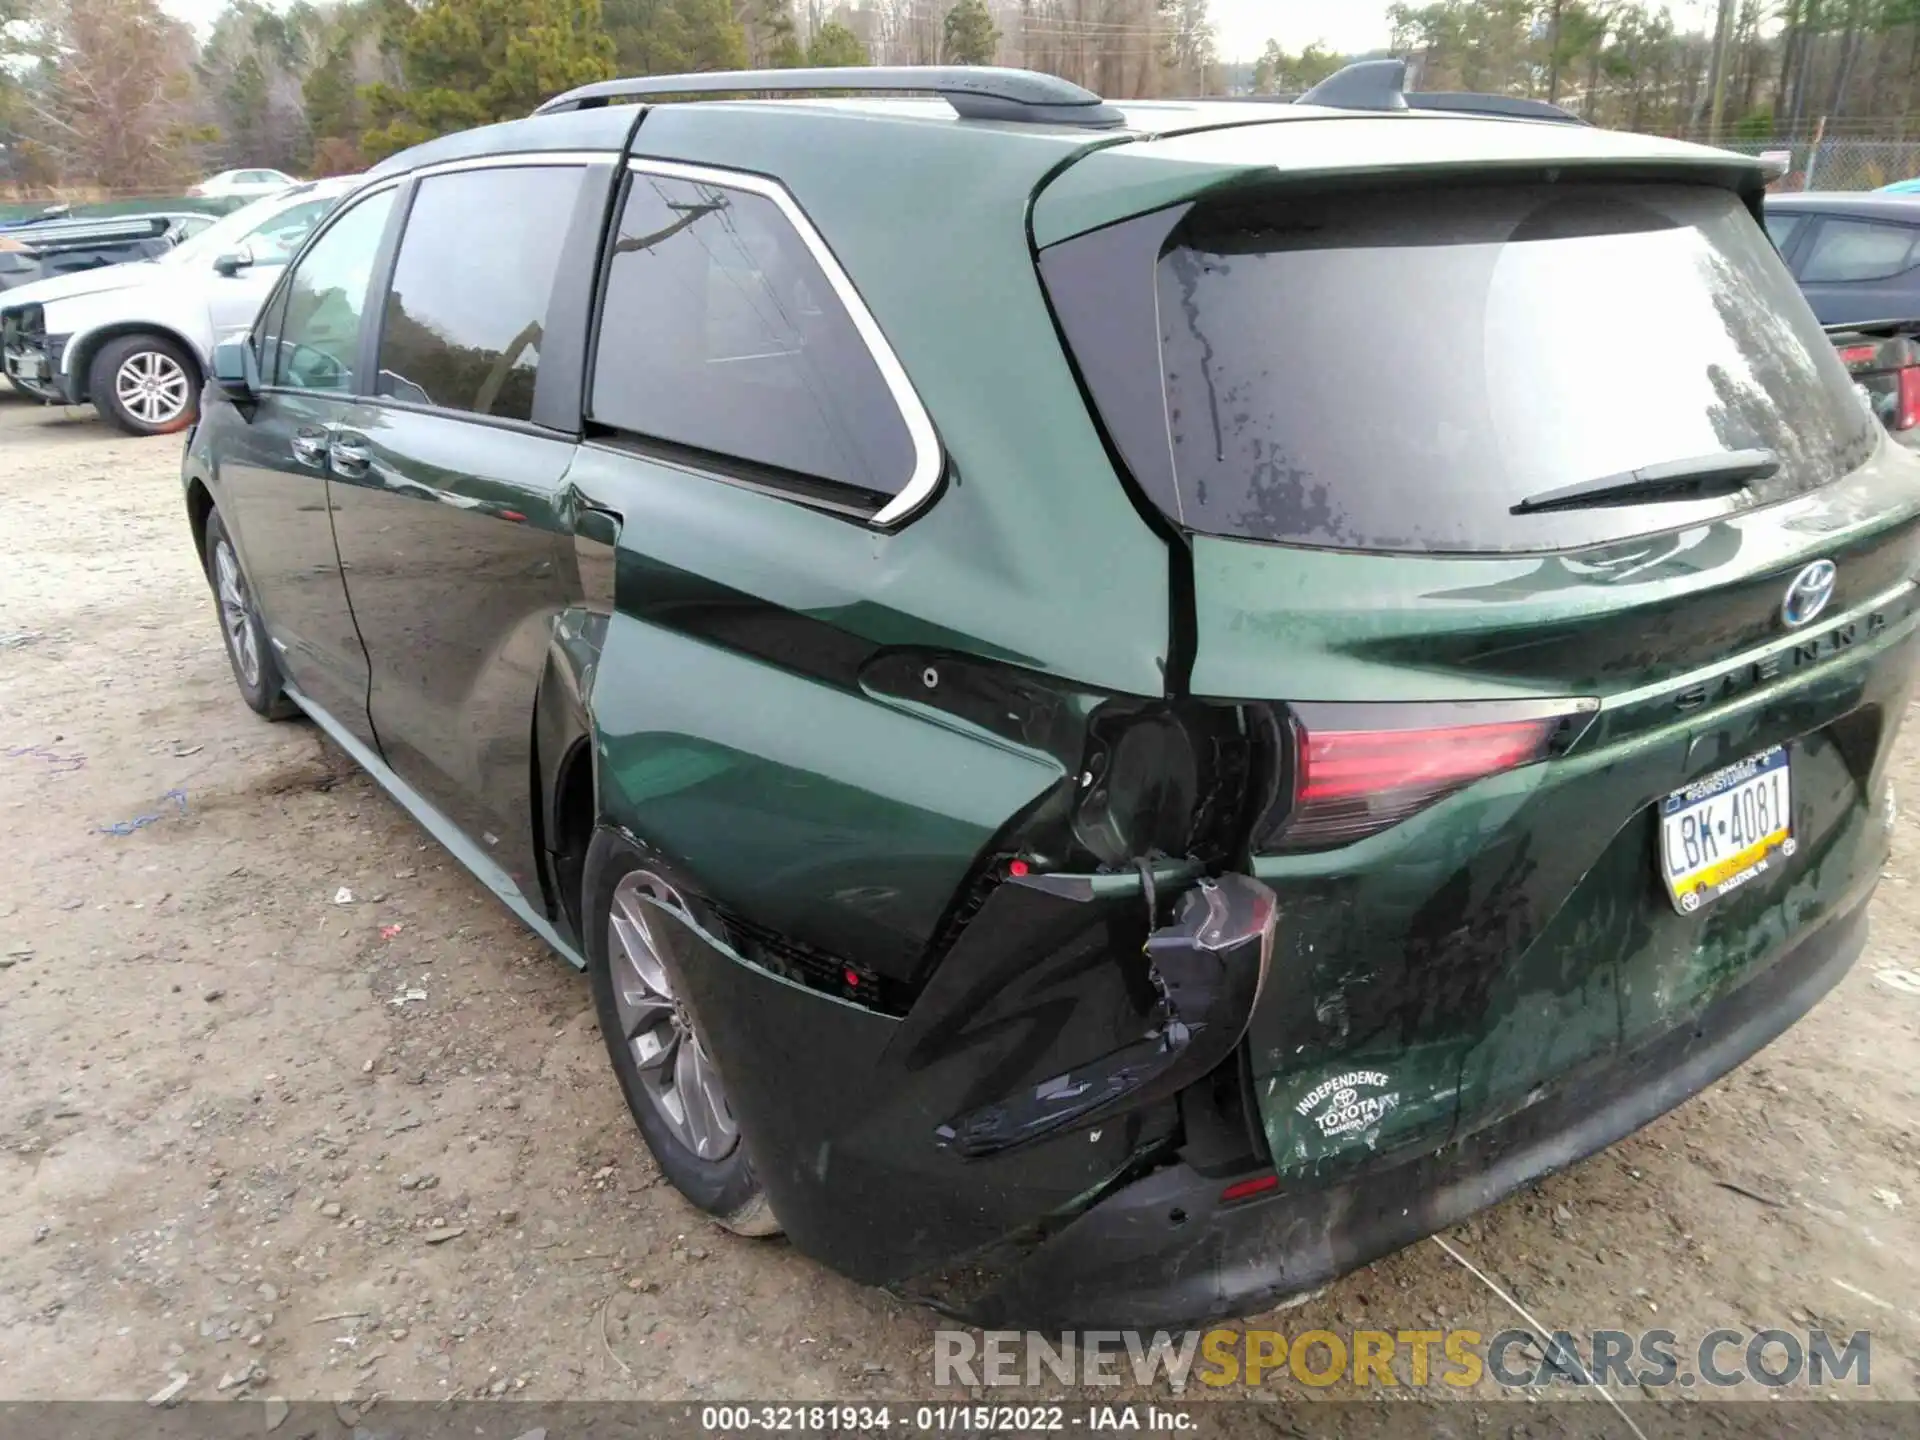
(116, 105)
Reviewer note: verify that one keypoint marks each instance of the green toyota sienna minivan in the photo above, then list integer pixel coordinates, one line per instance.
(1128, 706)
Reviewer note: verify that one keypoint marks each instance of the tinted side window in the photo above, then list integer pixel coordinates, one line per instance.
(469, 297)
(319, 342)
(1782, 228)
(1859, 250)
(722, 334)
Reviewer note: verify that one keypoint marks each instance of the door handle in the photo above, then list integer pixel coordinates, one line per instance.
(310, 447)
(349, 456)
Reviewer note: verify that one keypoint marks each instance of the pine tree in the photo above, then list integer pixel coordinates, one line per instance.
(835, 44)
(470, 62)
(968, 36)
(772, 43)
(674, 37)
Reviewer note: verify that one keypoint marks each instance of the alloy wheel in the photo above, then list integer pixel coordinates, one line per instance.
(677, 1075)
(236, 612)
(152, 387)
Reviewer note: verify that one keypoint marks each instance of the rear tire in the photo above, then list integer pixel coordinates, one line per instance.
(255, 670)
(671, 1082)
(144, 385)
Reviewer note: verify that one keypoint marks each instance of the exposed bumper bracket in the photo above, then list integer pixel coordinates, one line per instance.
(1209, 965)
(1168, 1250)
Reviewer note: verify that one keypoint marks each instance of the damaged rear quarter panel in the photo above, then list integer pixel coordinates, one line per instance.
(814, 811)
(735, 738)
(734, 733)
(841, 1107)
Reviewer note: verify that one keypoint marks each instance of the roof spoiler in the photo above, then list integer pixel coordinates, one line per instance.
(976, 92)
(1875, 327)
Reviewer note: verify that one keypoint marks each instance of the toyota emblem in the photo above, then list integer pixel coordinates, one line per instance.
(1809, 593)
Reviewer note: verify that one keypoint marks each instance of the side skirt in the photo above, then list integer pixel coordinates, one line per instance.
(440, 828)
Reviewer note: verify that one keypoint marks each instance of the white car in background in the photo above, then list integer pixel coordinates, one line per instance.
(243, 184)
(137, 340)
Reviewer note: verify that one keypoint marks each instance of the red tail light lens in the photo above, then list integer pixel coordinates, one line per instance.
(1906, 414)
(1358, 769)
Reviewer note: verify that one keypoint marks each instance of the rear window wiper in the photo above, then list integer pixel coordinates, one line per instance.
(1699, 477)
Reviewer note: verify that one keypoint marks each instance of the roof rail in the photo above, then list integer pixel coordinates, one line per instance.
(976, 92)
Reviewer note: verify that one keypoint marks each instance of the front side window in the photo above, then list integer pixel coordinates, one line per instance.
(468, 304)
(1854, 250)
(318, 346)
(722, 336)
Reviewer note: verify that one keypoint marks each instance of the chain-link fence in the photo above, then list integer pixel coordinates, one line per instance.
(1838, 163)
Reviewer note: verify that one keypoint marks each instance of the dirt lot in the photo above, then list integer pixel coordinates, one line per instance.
(228, 1139)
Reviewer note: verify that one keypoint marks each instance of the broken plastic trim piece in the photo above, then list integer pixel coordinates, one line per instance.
(1209, 965)
(1167, 874)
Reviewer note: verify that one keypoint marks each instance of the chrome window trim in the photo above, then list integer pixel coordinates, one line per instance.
(927, 460)
(514, 160)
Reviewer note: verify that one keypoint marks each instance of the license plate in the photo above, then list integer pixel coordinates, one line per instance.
(1726, 828)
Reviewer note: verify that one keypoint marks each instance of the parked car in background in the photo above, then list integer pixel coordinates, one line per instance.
(1855, 254)
(243, 184)
(1076, 800)
(1884, 359)
(136, 339)
(1900, 187)
(42, 248)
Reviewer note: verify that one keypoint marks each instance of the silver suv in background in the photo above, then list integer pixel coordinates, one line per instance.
(137, 339)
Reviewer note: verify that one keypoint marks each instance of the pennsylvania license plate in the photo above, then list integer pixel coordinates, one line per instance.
(1726, 828)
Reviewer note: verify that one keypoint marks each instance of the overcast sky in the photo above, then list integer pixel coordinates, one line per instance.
(1346, 26)
(1244, 26)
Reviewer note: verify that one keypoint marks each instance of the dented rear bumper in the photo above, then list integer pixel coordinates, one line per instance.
(1041, 1065)
(1103, 1218)
(1166, 1251)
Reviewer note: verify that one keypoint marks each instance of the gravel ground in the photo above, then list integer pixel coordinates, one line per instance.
(232, 1149)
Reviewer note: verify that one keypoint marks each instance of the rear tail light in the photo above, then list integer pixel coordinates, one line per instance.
(1358, 769)
(1906, 413)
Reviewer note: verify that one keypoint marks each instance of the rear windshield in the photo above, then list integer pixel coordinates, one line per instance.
(1397, 370)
